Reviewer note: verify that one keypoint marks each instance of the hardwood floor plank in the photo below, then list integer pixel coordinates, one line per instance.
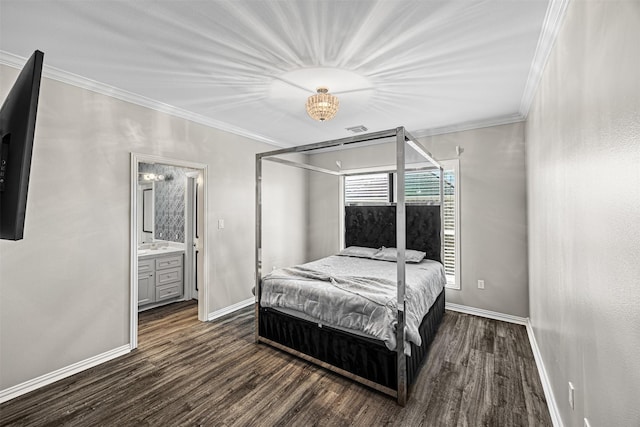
(444, 406)
(478, 372)
(457, 349)
(537, 413)
(475, 407)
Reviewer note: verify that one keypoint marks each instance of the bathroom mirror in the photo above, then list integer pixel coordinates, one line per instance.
(147, 210)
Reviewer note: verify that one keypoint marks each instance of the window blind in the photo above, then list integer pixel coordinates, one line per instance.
(369, 188)
(449, 226)
(422, 187)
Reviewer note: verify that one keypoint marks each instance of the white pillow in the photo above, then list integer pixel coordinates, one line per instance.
(359, 252)
(391, 254)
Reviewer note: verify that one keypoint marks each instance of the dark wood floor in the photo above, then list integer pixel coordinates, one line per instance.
(479, 372)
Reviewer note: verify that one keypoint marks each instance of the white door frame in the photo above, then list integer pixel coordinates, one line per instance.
(191, 265)
(203, 297)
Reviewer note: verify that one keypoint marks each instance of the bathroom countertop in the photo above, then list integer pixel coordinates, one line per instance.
(163, 250)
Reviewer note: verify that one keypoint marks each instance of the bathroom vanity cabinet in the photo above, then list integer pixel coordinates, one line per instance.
(160, 279)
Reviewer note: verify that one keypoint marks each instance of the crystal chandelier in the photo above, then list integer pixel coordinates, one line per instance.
(322, 106)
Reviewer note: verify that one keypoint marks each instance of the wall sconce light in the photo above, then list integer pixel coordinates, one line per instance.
(153, 177)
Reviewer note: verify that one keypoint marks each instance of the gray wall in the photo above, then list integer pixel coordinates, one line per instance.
(493, 227)
(64, 289)
(493, 216)
(284, 215)
(583, 163)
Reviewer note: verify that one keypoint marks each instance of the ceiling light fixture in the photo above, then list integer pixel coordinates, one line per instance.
(322, 106)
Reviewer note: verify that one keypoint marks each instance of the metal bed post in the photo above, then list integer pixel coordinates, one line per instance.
(401, 246)
(416, 146)
(442, 215)
(258, 243)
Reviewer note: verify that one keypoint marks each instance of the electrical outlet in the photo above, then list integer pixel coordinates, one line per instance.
(480, 284)
(571, 395)
(586, 423)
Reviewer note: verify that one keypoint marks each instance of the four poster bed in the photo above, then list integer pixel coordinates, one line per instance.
(370, 311)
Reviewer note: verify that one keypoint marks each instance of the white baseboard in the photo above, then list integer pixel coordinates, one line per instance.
(486, 313)
(230, 309)
(544, 378)
(43, 380)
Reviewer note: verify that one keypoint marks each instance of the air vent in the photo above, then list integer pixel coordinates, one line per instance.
(357, 129)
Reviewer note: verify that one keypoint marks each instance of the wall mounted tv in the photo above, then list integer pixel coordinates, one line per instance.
(17, 128)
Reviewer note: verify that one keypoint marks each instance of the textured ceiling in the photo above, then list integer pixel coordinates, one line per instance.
(248, 66)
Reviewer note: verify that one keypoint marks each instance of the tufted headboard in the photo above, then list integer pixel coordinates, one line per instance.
(375, 226)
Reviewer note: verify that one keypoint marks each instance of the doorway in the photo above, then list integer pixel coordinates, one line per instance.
(168, 229)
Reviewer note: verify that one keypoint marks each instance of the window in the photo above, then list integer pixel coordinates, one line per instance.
(420, 187)
(369, 188)
(451, 227)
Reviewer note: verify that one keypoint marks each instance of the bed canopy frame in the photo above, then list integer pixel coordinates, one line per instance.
(403, 143)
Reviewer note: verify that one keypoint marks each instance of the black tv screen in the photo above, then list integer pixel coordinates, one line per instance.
(17, 128)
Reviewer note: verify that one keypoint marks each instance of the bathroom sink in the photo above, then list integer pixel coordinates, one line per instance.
(158, 248)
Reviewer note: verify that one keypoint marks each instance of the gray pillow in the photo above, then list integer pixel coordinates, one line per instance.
(359, 252)
(391, 254)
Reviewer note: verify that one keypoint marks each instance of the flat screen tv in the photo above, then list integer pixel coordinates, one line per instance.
(17, 128)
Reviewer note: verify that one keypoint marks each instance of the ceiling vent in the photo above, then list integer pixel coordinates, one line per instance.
(357, 129)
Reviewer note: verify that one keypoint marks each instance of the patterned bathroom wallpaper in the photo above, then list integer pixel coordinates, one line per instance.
(169, 201)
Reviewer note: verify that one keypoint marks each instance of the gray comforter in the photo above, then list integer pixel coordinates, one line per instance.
(357, 294)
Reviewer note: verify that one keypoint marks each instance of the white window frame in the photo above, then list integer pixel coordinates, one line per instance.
(454, 165)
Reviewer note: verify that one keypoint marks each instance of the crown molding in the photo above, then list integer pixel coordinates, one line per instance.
(57, 74)
(470, 125)
(550, 28)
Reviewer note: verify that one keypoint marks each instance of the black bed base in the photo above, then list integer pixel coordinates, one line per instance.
(364, 357)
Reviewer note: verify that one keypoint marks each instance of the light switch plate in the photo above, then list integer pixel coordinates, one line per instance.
(220, 224)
